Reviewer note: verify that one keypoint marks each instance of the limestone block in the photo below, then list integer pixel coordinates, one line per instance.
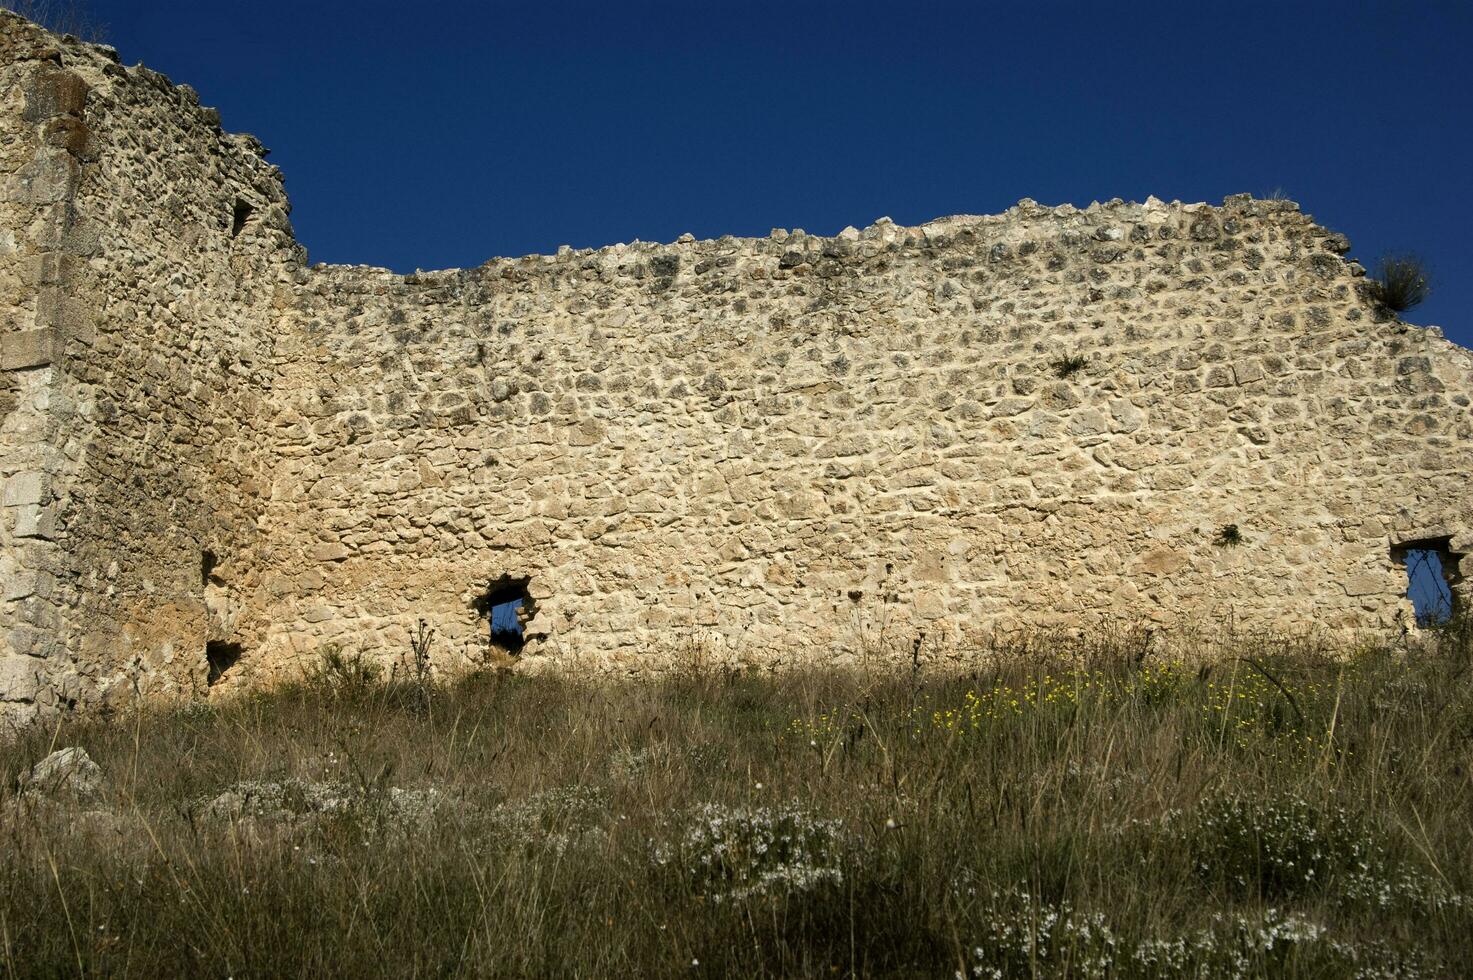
(1220, 376)
(1163, 561)
(26, 582)
(1011, 406)
(68, 133)
(26, 640)
(330, 551)
(1368, 583)
(588, 432)
(930, 605)
(65, 316)
(40, 614)
(67, 772)
(26, 488)
(19, 678)
(1087, 422)
(1247, 371)
(930, 566)
(29, 348)
(1127, 417)
(35, 521)
(48, 179)
(53, 92)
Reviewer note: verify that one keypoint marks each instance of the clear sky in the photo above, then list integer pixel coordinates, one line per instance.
(440, 134)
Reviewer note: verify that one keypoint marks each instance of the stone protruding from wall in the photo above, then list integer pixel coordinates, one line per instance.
(218, 462)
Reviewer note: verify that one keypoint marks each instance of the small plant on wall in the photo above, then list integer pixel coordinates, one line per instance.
(1228, 536)
(1400, 282)
(1069, 365)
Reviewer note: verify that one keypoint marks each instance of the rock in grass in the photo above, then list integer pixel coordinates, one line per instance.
(67, 773)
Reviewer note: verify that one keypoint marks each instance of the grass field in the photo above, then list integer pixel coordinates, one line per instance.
(1064, 809)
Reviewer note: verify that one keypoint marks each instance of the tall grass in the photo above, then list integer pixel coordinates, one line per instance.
(1284, 812)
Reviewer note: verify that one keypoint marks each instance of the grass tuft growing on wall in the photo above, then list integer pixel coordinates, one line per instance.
(1401, 282)
(1077, 810)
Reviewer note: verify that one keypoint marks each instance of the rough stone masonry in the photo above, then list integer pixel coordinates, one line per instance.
(218, 460)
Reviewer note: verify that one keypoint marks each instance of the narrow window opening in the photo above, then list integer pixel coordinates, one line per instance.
(506, 624)
(243, 212)
(207, 565)
(1432, 575)
(507, 607)
(221, 656)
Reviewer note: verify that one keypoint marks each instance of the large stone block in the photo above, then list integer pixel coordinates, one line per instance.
(54, 92)
(1366, 583)
(35, 521)
(65, 316)
(49, 179)
(24, 583)
(26, 488)
(23, 349)
(20, 677)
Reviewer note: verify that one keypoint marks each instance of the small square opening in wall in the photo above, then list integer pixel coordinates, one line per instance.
(1432, 572)
(508, 608)
(221, 656)
(243, 212)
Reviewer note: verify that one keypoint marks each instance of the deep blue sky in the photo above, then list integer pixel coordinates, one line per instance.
(433, 135)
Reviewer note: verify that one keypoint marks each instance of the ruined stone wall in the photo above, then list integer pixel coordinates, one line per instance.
(792, 449)
(804, 448)
(146, 250)
(37, 105)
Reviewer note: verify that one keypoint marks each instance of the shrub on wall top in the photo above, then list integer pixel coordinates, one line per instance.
(1401, 282)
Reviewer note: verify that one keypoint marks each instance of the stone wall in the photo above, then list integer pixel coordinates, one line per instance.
(136, 351)
(793, 449)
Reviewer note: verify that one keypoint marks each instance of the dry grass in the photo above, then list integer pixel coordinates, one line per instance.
(1283, 814)
(1401, 282)
(74, 17)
